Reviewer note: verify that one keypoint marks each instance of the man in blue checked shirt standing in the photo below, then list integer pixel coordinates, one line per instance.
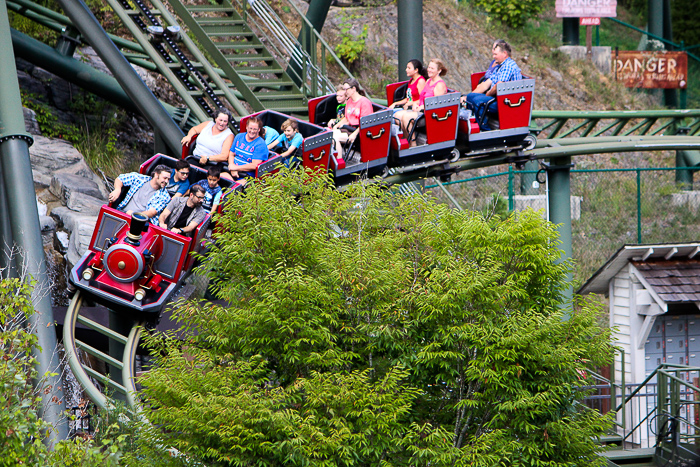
(146, 195)
(502, 69)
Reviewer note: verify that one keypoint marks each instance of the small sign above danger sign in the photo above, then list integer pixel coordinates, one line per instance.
(589, 21)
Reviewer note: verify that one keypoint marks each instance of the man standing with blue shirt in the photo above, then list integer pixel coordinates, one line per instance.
(248, 150)
(501, 69)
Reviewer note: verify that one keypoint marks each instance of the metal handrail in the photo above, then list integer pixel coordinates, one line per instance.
(306, 26)
(266, 22)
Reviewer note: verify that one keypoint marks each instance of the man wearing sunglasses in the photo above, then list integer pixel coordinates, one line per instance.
(183, 215)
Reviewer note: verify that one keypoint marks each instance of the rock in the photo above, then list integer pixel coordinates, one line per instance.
(80, 239)
(84, 203)
(61, 241)
(50, 157)
(30, 122)
(69, 219)
(80, 228)
(555, 74)
(66, 185)
(47, 223)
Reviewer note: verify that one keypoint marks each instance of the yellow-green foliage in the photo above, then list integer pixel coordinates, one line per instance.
(370, 329)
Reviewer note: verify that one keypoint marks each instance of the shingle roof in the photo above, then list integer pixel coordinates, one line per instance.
(598, 282)
(674, 280)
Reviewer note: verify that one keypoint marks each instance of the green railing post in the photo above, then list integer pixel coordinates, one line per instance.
(639, 206)
(661, 402)
(511, 189)
(613, 388)
(623, 389)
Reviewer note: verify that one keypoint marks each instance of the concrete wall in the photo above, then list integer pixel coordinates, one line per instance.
(602, 56)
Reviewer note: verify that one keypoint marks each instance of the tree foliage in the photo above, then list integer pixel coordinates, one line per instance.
(512, 13)
(20, 423)
(364, 328)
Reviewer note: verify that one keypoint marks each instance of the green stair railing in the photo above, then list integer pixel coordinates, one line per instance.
(672, 423)
(225, 34)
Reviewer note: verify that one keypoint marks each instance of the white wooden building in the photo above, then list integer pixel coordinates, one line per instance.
(654, 304)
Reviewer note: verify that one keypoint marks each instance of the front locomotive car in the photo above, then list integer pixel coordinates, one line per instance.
(132, 265)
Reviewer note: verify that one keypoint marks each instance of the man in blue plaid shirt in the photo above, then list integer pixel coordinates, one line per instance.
(502, 69)
(146, 195)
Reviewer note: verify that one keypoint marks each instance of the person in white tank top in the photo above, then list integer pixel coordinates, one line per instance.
(214, 140)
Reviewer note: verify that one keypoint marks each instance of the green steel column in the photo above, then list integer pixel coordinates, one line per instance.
(316, 14)
(75, 72)
(670, 95)
(570, 31)
(24, 219)
(144, 99)
(559, 186)
(410, 32)
(656, 17)
(6, 263)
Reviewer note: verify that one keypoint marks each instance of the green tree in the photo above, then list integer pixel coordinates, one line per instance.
(20, 423)
(364, 328)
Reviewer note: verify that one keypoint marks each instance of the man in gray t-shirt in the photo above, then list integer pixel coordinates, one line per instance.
(146, 195)
(141, 198)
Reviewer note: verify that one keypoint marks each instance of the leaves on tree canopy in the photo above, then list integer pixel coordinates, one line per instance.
(365, 328)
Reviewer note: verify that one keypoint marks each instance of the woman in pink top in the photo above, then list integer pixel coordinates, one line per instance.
(435, 86)
(356, 107)
(417, 76)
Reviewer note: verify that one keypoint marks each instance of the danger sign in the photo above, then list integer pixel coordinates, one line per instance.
(667, 70)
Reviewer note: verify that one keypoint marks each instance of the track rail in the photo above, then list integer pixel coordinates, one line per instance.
(86, 375)
(559, 125)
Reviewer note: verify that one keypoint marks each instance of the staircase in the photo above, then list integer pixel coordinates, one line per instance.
(226, 36)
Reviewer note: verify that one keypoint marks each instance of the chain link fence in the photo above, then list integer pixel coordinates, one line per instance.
(609, 207)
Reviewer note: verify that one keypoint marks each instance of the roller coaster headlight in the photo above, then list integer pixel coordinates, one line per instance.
(88, 273)
(123, 263)
(139, 294)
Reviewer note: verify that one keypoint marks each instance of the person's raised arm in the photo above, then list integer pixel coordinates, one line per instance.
(114, 195)
(195, 130)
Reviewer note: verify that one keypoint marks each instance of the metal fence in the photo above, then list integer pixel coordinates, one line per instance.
(609, 207)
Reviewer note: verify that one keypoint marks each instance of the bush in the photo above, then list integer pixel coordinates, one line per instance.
(512, 13)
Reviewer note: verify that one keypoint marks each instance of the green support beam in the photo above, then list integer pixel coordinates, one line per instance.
(139, 93)
(82, 75)
(21, 214)
(410, 32)
(559, 209)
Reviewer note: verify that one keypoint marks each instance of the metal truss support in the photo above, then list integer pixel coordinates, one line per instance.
(127, 77)
(22, 215)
